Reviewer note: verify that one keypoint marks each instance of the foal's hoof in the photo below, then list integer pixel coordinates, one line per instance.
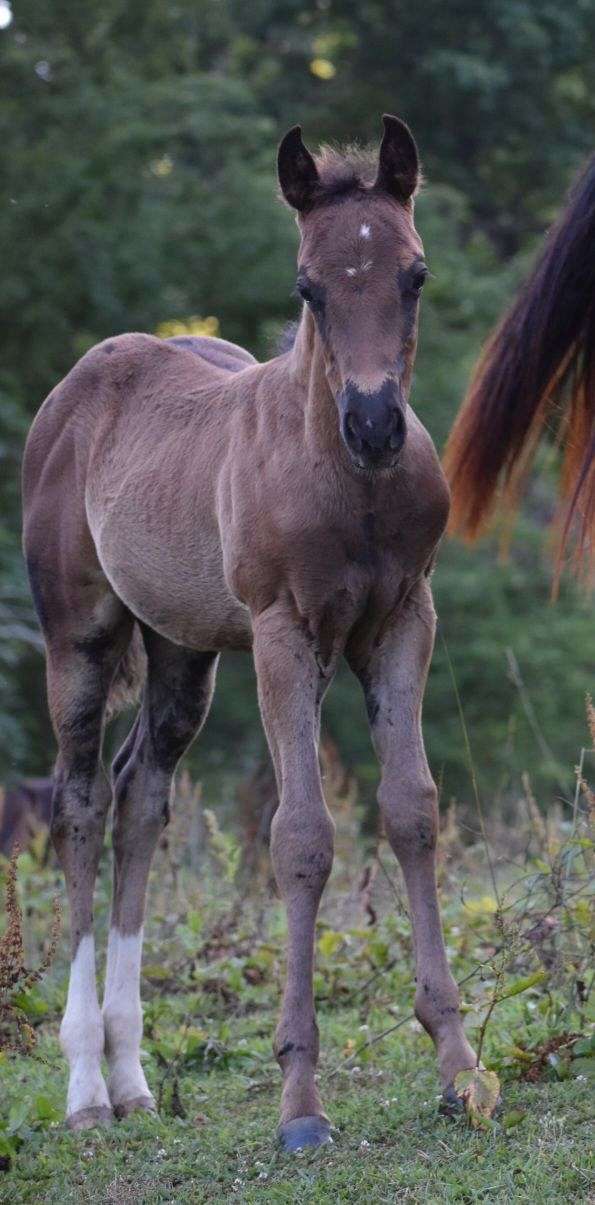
(86, 1119)
(304, 1131)
(136, 1104)
(451, 1105)
(479, 1099)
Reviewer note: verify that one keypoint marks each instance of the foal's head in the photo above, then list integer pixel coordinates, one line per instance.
(361, 271)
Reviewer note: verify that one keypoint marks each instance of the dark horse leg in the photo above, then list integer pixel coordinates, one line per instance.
(393, 674)
(80, 669)
(176, 700)
(290, 687)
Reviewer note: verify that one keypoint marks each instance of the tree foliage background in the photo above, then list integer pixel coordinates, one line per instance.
(138, 188)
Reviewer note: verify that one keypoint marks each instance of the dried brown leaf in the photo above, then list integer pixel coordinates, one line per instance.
(480, 1092)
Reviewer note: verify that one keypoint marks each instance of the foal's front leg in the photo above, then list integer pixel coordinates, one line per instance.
(393, 674)
(290, 687)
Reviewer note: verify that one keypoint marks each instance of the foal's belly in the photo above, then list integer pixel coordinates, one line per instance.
(179, 591)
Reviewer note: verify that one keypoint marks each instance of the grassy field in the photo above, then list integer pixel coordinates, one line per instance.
(213, 966)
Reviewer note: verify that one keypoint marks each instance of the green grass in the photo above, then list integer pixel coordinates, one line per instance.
(390, 1143)
(210, 988)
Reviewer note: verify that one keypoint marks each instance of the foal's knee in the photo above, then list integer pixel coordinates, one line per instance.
(302, 846)
(410, 812)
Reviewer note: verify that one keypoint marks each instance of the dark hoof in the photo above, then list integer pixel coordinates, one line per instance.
(86, 1119)
(304, 1131)
(451, 1105)
(137, 1104)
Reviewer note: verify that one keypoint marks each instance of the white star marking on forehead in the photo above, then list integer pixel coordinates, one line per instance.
(364, 230)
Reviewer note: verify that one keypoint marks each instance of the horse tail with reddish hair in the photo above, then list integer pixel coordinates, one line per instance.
(538, 365)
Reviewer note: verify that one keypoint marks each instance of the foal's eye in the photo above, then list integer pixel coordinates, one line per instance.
(418, 279)
(305, 291)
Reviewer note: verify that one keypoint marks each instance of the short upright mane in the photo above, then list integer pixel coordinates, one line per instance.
(345, 170)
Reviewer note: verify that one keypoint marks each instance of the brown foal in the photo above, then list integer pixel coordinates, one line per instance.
(181, 496)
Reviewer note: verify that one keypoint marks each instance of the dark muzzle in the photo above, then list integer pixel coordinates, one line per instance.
(373, 425)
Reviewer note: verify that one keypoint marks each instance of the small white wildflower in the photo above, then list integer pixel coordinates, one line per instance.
(161, 1153)
(364, 1028)
(364, 1144)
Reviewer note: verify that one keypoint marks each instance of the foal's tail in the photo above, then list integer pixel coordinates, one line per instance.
(129, 677)
(539, 365)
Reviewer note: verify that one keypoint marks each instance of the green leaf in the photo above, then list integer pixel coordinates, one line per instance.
(522, 985)
(44, 1110)
(584, 1048)
(559, 1065)
(542, 866)
(18, 1115)
(513, 1118)
(195, 922)
(329, 942)
(522, 1056)
(154, 970)
(31, 1003)
(8, 1146)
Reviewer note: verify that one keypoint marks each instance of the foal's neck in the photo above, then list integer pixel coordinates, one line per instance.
(321, 420)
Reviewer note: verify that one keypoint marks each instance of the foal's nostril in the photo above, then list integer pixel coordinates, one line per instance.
(353, 434)
(397, 434)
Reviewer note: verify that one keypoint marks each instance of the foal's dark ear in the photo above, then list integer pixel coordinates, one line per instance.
(398, 162)
(298, 174)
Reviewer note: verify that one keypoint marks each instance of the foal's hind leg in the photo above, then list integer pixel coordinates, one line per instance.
(175, 703)
(79, 676)
(393, 675)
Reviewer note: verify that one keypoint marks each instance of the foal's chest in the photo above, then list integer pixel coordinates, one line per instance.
(333, 567)
(339, 549)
